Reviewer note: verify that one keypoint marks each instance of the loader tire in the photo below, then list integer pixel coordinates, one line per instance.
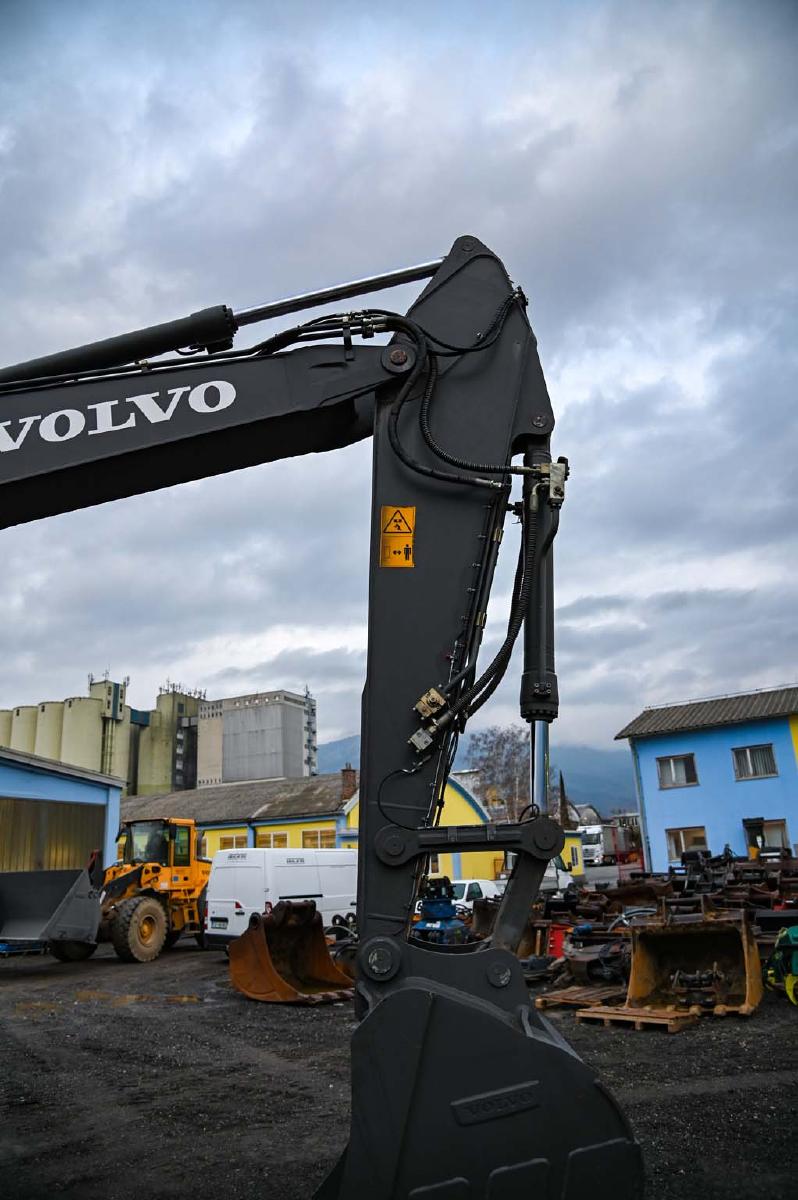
(139, 929)
(172, 938)
(72, 951)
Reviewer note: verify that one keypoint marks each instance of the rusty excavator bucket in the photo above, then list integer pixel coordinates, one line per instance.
(699, 964)
(483, 919)
(283, 958)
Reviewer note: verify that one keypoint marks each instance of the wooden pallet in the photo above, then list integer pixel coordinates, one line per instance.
(608, 993)
(637, 1018)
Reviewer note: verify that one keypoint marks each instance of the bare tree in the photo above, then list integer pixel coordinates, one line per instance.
(502, 758)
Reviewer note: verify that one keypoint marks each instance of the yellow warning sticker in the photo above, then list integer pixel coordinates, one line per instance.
(397, 534)
(398, 520)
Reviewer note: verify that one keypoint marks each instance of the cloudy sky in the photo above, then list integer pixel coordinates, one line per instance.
(634, 164)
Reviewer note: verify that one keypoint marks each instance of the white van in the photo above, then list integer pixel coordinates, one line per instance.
(243, 882)
(466, 891)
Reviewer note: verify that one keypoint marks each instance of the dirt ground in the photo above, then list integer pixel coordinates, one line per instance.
(121, 1081)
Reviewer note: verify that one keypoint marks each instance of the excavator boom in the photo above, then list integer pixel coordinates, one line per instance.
(460, 1089)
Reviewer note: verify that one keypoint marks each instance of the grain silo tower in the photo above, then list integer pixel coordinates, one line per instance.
(23, 728)
(82, 732)
(49, 724)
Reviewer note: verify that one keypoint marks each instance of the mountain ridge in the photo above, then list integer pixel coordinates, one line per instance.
(603, 778)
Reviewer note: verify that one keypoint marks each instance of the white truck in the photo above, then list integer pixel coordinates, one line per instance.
(604, 844)
(243, 882)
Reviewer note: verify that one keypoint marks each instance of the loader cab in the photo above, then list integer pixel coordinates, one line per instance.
(168, 843)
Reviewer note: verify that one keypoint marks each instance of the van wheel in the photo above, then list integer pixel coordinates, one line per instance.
(139, 929)
(199, 938)
(72, 951)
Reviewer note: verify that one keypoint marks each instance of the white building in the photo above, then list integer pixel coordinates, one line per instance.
(266, 735)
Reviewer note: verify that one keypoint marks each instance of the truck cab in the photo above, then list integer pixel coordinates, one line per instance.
(592, 844)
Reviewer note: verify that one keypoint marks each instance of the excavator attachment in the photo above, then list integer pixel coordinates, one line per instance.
(48, 906)
(700, 963)
(426, 1127)
(483, 920)
(461, 1091)
(283, 958)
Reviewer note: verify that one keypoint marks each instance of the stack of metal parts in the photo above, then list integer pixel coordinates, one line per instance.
(660, 949)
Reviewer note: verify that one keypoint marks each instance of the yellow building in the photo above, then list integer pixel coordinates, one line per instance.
(319, 812)
(460, 808)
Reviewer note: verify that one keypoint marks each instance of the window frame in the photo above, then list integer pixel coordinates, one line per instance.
(239, 841)
(669, 758)
(327, 834)
(682, 830)
(271, 834)
(735, 750)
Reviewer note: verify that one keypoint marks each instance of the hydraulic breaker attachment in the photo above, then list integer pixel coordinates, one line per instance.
(283, 958)
(701, 963)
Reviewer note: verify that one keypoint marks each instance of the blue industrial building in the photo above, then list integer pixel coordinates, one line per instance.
(52, 816)
(716, 773)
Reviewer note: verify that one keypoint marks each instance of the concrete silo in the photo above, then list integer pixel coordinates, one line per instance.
(23, 728)
(49, 724)
(82, 732)
(5, 726)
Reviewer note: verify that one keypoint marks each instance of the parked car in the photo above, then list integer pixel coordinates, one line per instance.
(244, 882)
(466, 891)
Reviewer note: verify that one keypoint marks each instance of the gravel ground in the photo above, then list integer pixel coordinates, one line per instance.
(122, 1080)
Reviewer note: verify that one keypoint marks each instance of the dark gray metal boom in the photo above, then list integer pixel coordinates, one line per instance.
(460, 1089)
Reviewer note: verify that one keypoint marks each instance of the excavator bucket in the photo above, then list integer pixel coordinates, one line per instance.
(283, 958)
(48, 906)
(483, 920)
(703, 964)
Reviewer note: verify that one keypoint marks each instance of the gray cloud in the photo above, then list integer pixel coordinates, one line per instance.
(634, 165)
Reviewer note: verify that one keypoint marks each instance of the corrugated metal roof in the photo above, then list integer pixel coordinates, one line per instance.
(721, 710)
(272, 799)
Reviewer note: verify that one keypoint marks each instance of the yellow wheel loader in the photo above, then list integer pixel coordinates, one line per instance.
(142, 904)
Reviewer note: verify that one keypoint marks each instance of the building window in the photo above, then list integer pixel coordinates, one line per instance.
(680, 840)
(775, 834)
(236, 841)
(754, 762)
(273, 841)
(318, 839)
(677, 771)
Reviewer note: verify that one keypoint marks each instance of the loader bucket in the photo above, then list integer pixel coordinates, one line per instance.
(702, 965)
(48, 906)
(283, 958)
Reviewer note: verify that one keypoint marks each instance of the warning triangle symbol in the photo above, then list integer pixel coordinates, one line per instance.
(397, 523)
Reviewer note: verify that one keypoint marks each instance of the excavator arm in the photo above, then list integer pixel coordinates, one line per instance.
(460, 1089)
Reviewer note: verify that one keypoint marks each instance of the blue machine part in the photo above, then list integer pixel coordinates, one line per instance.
(439, 921)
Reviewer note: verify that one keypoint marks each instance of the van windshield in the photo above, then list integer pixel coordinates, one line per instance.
(458, 891)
